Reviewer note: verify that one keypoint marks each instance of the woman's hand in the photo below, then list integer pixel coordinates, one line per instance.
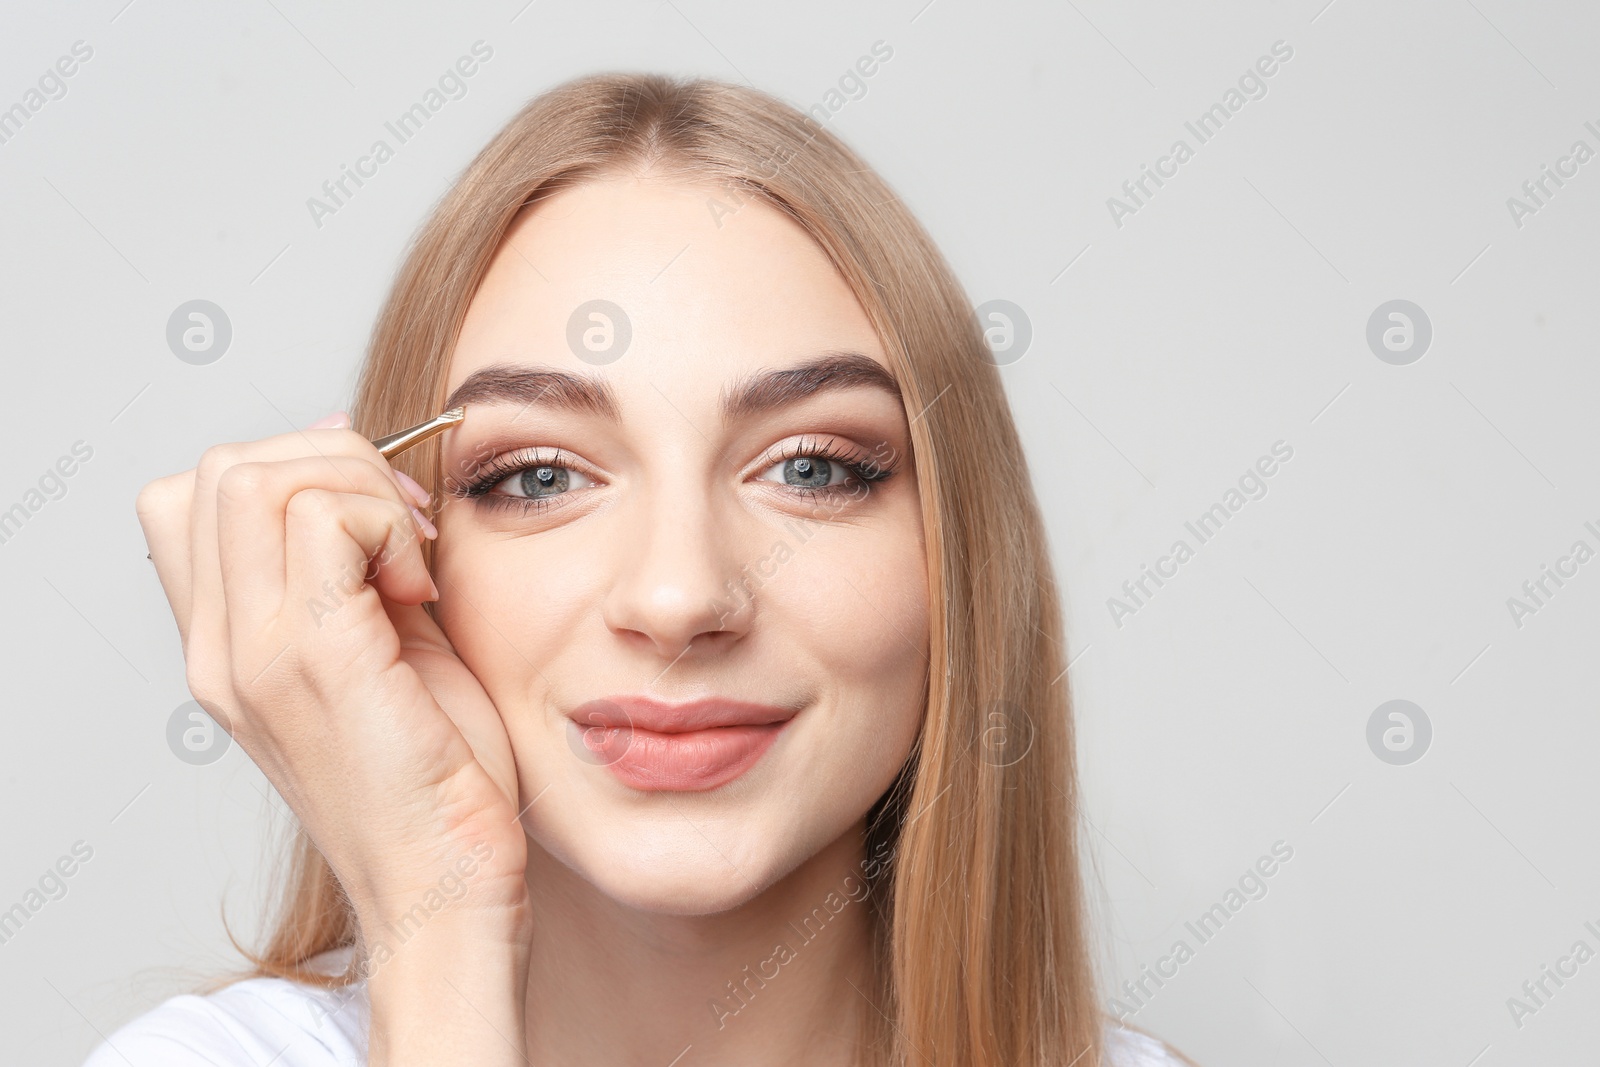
(294, 570)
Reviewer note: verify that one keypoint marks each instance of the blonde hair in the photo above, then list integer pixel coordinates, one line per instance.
(980, 921)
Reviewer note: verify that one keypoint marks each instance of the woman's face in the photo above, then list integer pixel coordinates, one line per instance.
(673, 497)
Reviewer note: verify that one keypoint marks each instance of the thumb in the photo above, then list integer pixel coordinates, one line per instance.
(417, 630)
(428, 651)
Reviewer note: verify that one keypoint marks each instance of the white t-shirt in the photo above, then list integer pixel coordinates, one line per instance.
(247, 1024)
(289, 1024)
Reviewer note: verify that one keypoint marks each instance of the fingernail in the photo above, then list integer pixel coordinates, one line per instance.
(435, 586)
(427, 527)
(419, 494)
(339, 420)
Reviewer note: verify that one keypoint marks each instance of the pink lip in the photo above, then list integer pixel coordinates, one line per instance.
(699, 745)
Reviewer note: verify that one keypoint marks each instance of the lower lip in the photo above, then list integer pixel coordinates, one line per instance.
(682, 762)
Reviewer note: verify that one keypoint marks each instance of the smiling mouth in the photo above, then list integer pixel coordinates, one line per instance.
(652, 746)
(684, 762)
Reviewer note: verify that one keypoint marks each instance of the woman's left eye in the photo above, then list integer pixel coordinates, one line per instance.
(541, 480)
(808, 472)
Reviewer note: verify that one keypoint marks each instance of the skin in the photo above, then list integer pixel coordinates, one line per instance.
(599, 922)
(692, 886)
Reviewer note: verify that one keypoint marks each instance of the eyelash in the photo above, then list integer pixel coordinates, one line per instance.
(864, 470)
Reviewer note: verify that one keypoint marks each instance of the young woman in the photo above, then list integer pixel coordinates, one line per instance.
(697, 699)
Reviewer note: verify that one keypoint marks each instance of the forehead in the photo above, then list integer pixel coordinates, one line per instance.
(627, 277)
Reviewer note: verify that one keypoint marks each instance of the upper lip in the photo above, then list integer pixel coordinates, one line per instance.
(647, 713)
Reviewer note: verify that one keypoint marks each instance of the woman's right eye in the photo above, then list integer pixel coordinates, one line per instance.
(541, 480)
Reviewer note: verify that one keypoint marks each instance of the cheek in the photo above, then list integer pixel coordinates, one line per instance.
(860, 602)
(505, 608)
(852, 605)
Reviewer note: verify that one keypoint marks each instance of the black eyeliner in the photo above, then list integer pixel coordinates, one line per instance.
(480, 483)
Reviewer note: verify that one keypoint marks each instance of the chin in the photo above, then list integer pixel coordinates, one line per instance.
(684, 890)
(659, 863)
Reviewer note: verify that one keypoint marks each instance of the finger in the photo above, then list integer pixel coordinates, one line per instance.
(163, 508)
(333, 542)
(208, 623)
(418, 631)
(252, 506)
(426, 649)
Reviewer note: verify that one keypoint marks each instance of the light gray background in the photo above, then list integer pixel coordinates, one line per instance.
(1167, 355)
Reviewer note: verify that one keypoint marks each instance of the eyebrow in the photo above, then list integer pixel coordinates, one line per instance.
(510, 383)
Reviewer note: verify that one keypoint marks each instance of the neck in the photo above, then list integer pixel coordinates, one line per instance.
(781, 979)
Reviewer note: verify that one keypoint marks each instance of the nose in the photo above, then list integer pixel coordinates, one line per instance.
(680, 584)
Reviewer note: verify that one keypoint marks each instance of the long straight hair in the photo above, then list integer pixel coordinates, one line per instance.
(980, 927)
